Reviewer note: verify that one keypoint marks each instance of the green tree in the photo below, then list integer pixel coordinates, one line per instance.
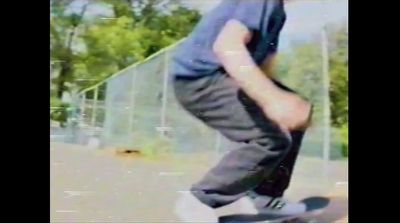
(136, 32)
(301, 69)
(111, 45)
(339, 77)
(62, 33)
(339, 84)
(86, 50)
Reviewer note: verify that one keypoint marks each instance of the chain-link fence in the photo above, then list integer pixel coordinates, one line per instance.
(136, 108)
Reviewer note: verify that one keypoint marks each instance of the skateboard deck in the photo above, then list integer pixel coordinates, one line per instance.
(315, 205)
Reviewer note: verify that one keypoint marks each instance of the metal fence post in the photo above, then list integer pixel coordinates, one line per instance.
(326, 83)
(82, 108)
(132, 101)
(164, 94)
(94, 108)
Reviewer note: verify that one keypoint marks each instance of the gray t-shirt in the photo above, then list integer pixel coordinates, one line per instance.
(265, 18)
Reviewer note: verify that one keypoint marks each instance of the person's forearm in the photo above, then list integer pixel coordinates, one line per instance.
(287, 110)
(240, 66)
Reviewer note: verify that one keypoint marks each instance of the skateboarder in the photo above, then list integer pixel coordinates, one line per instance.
(223, 76)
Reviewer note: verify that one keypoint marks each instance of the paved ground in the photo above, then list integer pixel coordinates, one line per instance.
(101, 186)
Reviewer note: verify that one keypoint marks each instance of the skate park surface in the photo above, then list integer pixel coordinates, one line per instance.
(91, 185)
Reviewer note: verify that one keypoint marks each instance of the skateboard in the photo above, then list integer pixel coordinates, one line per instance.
(315, 205)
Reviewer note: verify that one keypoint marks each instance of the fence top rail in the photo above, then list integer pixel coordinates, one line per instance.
(132, 66)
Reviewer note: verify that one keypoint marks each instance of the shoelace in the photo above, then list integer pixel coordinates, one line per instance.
(275, 203)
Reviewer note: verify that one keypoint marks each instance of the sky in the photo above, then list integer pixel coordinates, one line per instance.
(305, 18)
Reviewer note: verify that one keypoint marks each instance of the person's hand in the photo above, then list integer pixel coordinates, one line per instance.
(289, 111)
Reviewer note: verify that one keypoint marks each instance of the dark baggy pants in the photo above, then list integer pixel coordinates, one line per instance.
(266, 156)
